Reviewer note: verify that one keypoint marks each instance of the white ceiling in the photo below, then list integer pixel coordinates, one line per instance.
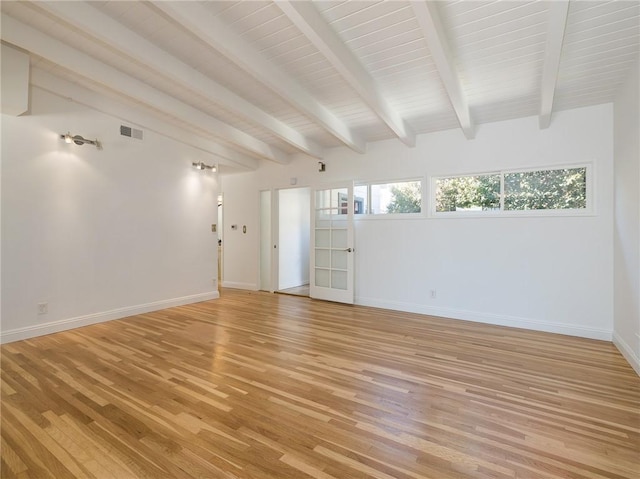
(262, 80)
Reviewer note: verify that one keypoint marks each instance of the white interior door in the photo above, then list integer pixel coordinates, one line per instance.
(332, 244)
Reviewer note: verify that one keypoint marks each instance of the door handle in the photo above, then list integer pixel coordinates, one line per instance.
(348, 250)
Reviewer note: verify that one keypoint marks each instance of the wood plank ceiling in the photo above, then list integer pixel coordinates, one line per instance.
(262, 80)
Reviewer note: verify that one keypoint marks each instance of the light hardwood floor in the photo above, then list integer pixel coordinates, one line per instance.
(259, 385)
(296, 291)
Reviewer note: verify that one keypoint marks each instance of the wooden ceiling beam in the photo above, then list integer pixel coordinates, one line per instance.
(434, 33)
(558, 12)
(102, 27)
(134, 114)
(195, 18)
(36, 42)
(306, 17)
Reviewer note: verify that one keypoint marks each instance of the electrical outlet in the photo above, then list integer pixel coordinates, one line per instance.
(43, 308)
(214, 282)
(432, 294)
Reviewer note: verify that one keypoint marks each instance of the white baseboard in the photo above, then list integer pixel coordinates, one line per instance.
(627, 352)
(488, 318)
(234, 285)
(86, 320)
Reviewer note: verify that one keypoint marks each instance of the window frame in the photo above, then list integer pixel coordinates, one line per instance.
(589, 210)
(367, 216)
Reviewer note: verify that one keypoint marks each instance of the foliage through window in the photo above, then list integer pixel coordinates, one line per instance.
(468, 193)
(551, 189)
(546, 190)
(388, 198)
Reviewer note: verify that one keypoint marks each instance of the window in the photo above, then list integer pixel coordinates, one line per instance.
(513, 191)
(546, 190)
(360, 199)
(388, 198)
(468, 193)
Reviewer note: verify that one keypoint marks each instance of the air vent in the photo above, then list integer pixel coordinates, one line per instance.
(130, 132)
(125, 130)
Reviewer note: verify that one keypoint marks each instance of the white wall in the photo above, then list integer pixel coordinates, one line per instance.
(99, 234)
(15, 81)
(293, 237)
(627, 219)
(545, 273)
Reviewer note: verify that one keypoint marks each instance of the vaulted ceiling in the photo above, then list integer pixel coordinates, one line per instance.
(255, 81)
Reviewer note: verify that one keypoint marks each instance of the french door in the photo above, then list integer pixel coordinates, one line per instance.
(332, 253)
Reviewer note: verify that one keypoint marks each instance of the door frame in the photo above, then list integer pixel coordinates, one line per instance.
(272, 221)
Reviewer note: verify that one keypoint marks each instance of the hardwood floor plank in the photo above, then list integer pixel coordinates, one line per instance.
(257, 385)
(33, 446)
(12, 464)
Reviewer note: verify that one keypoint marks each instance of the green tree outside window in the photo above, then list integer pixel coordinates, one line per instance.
(406, 198)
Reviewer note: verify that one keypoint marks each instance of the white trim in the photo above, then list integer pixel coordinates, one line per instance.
(94, 318)
(235, 285)
(559, 213)
(521, 169)
(627, 352)
(489, 318)
(390, 216)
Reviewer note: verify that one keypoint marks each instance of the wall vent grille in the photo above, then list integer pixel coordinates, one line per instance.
(130, 132)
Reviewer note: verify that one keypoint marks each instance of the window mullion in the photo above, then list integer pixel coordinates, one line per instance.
(502, 193)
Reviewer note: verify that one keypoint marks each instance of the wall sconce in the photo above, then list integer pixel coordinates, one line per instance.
(202, 166)
(78, 140)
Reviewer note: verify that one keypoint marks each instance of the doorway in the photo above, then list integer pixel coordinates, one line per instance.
(285, 224)
(294, 226)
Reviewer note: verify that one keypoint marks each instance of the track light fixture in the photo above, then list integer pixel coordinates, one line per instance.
(78, 140)
(202, 166)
